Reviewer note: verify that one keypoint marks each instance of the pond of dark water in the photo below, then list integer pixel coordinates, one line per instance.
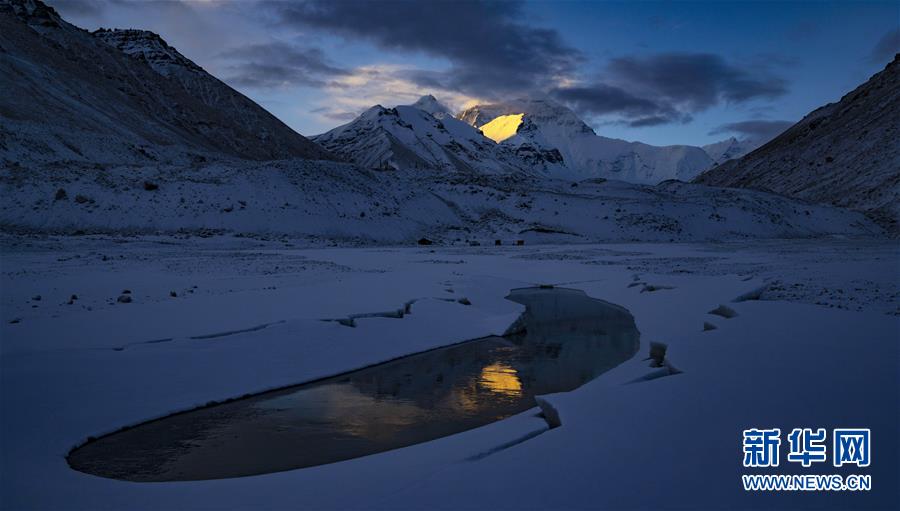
(563, 340)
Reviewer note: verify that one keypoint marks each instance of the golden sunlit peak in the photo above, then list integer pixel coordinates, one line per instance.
(502, 127)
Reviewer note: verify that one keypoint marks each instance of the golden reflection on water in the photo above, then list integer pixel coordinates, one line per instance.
(502, 379)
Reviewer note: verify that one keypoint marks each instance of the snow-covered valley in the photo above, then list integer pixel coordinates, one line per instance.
(246, 316)
(340, 203)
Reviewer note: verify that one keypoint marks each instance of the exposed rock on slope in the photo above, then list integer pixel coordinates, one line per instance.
(548, 127)
(120, 97)
(152, 49)
(845, 153)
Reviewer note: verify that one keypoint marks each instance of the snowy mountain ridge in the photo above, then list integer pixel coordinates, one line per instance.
(118, 133)
(121, 97)
(547, 125)
(430, 104)
(412, 137)
(537, 137)
(730, 148)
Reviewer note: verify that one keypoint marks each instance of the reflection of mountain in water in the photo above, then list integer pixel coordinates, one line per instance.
(568, 339)
(563, 340)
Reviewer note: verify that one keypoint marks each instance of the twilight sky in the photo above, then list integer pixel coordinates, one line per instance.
(657, 72)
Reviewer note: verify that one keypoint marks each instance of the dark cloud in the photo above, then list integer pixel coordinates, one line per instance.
(763, 130)
(95, 10)
(670, 87)
(426, 78)
(491, 49)
(336, 115)
(78, 8)
(886, 48)
(603, 99)
(693, 82)
(656, 120)
(279, 64)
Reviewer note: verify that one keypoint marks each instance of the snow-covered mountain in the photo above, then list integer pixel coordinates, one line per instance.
(120, 96)
(845, 153)
(537, 137)
(110, 132)
(430, 104)
(541, 125)
(418, 136)
(730, 148)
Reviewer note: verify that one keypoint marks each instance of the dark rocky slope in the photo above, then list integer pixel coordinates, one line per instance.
(845, 153)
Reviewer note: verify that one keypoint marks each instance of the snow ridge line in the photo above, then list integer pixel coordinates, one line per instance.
(202, 336)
